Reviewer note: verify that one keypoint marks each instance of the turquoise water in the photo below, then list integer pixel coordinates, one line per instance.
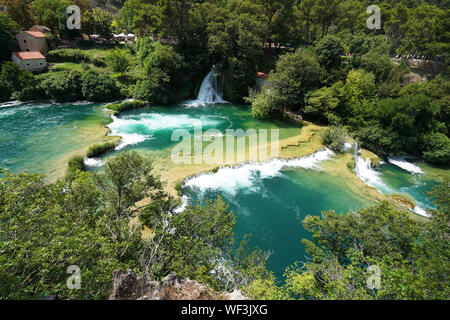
(150, 129)
(34, 135)
(272, 208)
(402, 181)
(270, 200)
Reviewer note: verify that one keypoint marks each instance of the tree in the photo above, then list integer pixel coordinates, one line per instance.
(49, 12)
(62, 86)
(380, 65)
(329, 51)
(19, 11)
(97, 21)
(140, 17)
(13, 79)
(119, 60)
(157, 71)
(323, 103)
(98, 87)
(295, 74)
(8, 43)
(436, 148)
(334, 138)
(265, 104)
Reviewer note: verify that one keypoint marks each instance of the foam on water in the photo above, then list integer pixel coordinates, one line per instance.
(93, 162)
(245, 177)
(135, 130)
(370, 176)
(401, 162)
(183, 205)
(422, 212)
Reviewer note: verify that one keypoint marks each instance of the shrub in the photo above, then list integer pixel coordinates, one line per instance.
(119, 61)
(100, 149)
(437, 148)
(127, 105)
(99, 88)
(334, 138)
(265, 103)
(62, 86)
(76, 164)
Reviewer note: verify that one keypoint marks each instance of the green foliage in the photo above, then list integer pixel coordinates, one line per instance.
(74, 55)
(119, 61)
(20, 11)
(437, 148)
(157, 72)
(295, 74)
(100, 149)
(75, 164)
(8, 43)
(62, 86)
(334, 138)
(47, 12)
(99, 87)
(329, 51)
(42, 238)
(13, 80)
(380, 65)
(97, 21)
(127, 105)
(323, 103)
(265, 104)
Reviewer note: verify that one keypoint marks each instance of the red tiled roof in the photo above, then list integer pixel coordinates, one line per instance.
(36, 34)
(262, 75)
(29, 55)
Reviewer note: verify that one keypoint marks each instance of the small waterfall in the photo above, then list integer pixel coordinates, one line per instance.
(366, 173)
(210, 92)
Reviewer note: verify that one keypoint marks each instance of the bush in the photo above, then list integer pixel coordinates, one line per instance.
(76, 164)
(14, 79)
(127, 105)
(296, 74)
(437, 148)
(62, 86)
(119, 61)
(265, 103)
(334, 138)
(99, 88)
(100, 149)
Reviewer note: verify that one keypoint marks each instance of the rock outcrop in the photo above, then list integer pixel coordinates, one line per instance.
(129, 286)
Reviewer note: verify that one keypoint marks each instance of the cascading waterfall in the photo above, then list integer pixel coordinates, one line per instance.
(356, 158)
(366, 173)
(210, 92)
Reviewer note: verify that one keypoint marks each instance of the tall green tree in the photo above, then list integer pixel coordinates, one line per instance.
(8, 42)
(49, 12)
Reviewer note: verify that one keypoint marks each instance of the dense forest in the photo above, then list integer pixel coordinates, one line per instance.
(324, 64)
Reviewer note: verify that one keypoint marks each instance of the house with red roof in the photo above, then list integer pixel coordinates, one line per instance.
(30, 61)
(30, 41)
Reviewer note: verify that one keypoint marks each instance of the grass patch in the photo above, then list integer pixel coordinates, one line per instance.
(100, 149)
(76, 56)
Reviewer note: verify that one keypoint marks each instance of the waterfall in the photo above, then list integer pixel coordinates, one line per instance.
(366, 173)
(210, 92)
(356, 158)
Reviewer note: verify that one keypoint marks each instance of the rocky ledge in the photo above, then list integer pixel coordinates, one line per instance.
(128, 286)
